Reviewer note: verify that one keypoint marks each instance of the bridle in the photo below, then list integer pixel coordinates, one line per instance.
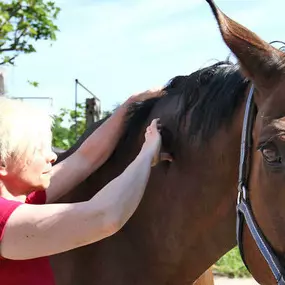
(244, 210)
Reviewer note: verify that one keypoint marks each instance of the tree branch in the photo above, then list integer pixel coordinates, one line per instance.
(17, 18)
(10, 61)
(12, 13)
(13, 46)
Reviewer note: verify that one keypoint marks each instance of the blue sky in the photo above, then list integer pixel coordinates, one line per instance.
(118, 47)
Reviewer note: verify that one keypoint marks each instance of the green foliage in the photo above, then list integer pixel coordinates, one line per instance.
(231, 265)
(64, 131)
(59, 134)
(65, 137)
(33, 83)
(23, 22)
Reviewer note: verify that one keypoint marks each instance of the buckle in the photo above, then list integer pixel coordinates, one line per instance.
(241, 193)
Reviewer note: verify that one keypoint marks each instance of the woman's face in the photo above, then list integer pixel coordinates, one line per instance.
(33, 170)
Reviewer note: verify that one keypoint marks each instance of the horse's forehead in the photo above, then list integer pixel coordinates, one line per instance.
(274, 106)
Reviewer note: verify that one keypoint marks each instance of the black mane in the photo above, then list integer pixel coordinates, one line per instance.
(211, 95)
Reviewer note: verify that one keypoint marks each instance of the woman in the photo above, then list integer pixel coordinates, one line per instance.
(31, 228)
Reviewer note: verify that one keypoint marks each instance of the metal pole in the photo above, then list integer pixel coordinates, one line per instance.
(87, 90)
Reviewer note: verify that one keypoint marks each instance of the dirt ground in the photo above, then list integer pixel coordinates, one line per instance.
(236, 281)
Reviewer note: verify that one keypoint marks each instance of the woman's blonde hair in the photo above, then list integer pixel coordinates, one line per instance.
(22, 127)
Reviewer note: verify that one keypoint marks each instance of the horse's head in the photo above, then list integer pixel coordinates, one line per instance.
(264, 65)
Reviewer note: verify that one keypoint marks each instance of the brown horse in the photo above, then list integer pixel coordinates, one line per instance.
(187, 218)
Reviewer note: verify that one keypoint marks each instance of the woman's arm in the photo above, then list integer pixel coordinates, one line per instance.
(41, 230)
(93, 152)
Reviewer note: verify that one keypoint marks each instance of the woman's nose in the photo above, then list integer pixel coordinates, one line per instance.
(53, 157)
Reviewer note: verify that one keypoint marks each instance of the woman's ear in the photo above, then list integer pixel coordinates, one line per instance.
(3, 169)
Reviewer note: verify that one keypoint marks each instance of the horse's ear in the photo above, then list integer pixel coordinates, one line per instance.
(260, 62)
(163, 156)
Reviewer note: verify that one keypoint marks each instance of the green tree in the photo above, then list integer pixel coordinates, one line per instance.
(22, 23)
(59, 134)
(65, 137)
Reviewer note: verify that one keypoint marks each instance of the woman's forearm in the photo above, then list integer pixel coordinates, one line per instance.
(122, 195)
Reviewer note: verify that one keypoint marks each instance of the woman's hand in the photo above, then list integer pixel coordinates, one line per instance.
(152, 142)
(143, 96)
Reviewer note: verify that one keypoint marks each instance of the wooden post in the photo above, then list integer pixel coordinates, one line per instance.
(92, 111)
(89, 111)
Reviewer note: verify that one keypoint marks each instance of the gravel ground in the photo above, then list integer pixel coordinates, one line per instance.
(235, 281)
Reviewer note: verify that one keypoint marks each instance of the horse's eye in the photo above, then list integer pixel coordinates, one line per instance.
(271, 154)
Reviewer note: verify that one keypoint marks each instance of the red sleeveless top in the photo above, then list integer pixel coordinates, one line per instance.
(25, 272)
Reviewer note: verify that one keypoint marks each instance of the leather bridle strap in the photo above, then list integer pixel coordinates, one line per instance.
(244, 208)
(244, 211)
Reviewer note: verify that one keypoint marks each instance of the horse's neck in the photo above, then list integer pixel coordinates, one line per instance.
(186, 220)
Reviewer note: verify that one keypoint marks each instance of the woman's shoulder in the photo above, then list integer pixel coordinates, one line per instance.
(7, 206)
